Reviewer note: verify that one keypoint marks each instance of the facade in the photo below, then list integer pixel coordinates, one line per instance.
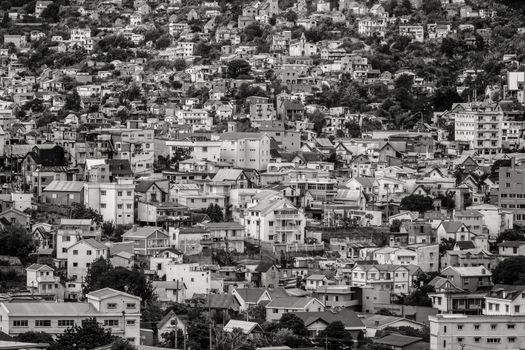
(115, 310)
(114, 200)
(245, 150)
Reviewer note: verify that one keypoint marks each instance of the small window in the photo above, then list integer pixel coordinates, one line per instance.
(43, 323)
(131, 305)
(112, 305)
(20, 323)
(110, 323)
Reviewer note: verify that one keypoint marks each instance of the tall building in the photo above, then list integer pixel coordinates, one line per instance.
(114, 200)
(511, 194)
(248, 150)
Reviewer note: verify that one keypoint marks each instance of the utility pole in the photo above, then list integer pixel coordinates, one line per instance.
(211, 322)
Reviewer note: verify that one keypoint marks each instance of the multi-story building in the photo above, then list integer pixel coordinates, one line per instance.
(115, 201)
(148, 240)
(245, 150)
(372, 26)
(479, 126)
(81, 255)
(196, 279)
(416, 32)
(276, 221)
(468, 278)
(41, 280)
(197, 150)
(115, 310)
(198, 119)
(69, 232)
(469, 332)
(512, 190)
(394, 278)
(505, 300)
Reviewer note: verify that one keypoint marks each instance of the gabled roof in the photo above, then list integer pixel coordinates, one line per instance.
(298, 303)
(105, 293)
(93, 243)
(347, 316)
(142, 232)
(145, 185)
(38, 267)
(227, 175)
(245, 326)
(65, 186)
(250, 295)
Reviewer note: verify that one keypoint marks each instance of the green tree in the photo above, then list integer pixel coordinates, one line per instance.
(16, 241)
(419, 297)
(510, 271)
(102, 274)
(72, 101)
(335, 336)
(446, 244)
(238, 68)
(353, 128)
(417, 202)
(163, 42)
(87, 336)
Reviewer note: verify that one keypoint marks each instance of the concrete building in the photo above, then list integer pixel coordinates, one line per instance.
(81, 255)
(115, 310)
(114, 200)
(245, 150)
(512, 190)
(454, 331)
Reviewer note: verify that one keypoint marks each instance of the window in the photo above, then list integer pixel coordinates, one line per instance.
(130, 322)
(516, 308)
(119, 206)
(112, 305)
(511, 326)
(75, 252)
(75, 264)
(511, 339)
(476, 326)
(460, 327)
(102, 205)
(66, 323)
(20, 323)
(460, 340)
(110, 323)
(119, 193)
(88, 252)
(130, 305)
(102, 193)
(493, 340)
(477, 339)
(275, 311)
(493, 326)
(43, 323)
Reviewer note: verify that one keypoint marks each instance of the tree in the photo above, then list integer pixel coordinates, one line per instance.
(102, 274)
(35, 338)
(419, 297)
(353, 128)
(215, 213)
(51, 13)
(431, 7)
(416, 202)
(72, 101)
(510, 271)
(87, 336)
(446, 244)
(293, 323)
(252, 31)
(122, 344)
(514, 234)
(238, 68)
(5, 5)
(163, 42)
(290, 16)
(16, 241)
(336, 336)
(80, 211)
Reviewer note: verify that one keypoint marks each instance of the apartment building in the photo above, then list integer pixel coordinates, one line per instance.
(115, 201)
(479, 125)
(197, 119)
(512, 190)
(245, 150)
(468, 278)
(115, 310)
(69, 232)
(470, 332)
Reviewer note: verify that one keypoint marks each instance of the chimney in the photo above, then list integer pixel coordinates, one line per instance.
(134, 228)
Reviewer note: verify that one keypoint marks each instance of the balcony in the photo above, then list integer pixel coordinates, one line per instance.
(44, 279)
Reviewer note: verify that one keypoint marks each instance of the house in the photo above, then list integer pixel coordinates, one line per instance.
(41, 280)
(113, 309)
(505, 300)
(251, 297)
(468, 278)
(152, 191)
(171, 322)
(148, 240)
(246, 327)
(511, 248)
(376, 322)
(402, 342)
(455, 230)
(81, 255)
(316, 322)
(64, 193)
(279, 306)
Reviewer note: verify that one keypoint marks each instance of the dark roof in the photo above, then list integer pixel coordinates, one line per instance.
(264, 266)
(119, 167)
(397, 340)
(462, 245)
(143, 186)
(348, 317)
(512, 244)
(218, 301)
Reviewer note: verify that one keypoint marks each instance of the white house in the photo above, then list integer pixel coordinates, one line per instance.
(81, 255)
